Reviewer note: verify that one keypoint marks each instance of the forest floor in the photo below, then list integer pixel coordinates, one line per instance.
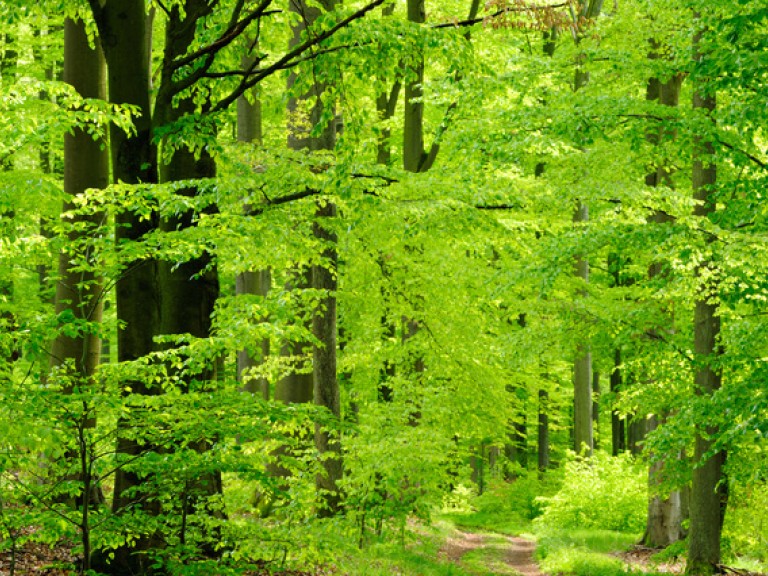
(500, 554)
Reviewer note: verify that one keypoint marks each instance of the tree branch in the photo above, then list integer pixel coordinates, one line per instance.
(234, 30)
(289, 60)
(475, 20)
(751, 157)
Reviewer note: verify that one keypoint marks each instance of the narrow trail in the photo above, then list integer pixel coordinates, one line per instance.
(519, 556)
(502, 555)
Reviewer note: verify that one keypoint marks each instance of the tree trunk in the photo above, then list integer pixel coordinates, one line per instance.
(188, 289)
(582, 365)
(665, 515)
(249, 130)
(322, 384)
(81, 290)
(596, 407)
(709, 488)
(413, 126)
(386, 104)
(543, 432)
(582, 369)
(86, 165)
(618, 423)
(122, 26)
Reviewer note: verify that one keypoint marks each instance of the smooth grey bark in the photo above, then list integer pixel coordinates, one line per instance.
(122, 26)
(583, 441)
(303, 113)
(413, 119)
(86, 165)
(709, 490)
(321, 386)
(583, 434)
(665, 516)
(249, 130)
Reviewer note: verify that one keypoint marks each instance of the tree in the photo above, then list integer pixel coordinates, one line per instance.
(709, 491)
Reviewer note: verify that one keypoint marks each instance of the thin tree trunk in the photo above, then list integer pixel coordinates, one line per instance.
(618, 423)
(583, 442)
(543, 432)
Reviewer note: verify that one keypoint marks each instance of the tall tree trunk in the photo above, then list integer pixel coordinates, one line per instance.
(583, 441)
(188, 290)
(386, 104)
(709, 489)
(249, 130)
(321, 386)
(8, 62)
(582, 365)
(665, 515)
(122, 26)
(86, 165)
(80, 290)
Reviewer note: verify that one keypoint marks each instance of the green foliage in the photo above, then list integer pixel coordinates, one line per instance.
(746, 524)
(584, 552)
(508, 507)
(603, 492)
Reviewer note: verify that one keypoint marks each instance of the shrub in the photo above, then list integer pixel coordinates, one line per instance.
(603, 492)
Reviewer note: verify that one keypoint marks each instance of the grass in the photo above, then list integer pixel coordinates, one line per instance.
(585, 552)
(418, 557)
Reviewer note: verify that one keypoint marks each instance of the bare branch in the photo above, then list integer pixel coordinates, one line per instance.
(291, 59)
(477, 20)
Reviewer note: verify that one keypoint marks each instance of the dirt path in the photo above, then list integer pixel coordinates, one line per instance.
(503, 555)
(519, 556)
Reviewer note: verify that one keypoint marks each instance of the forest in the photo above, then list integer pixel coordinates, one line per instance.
(377, 287)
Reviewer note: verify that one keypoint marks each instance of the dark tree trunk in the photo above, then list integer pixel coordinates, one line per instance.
(543, 432)
(122, 26)
(709, 491)
(618, 422)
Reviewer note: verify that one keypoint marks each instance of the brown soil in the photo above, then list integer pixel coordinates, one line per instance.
(518, 552)
(456, 546)
(519, 556)
(640, 557)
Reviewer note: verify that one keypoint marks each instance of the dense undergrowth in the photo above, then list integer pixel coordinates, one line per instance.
(580, 516)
